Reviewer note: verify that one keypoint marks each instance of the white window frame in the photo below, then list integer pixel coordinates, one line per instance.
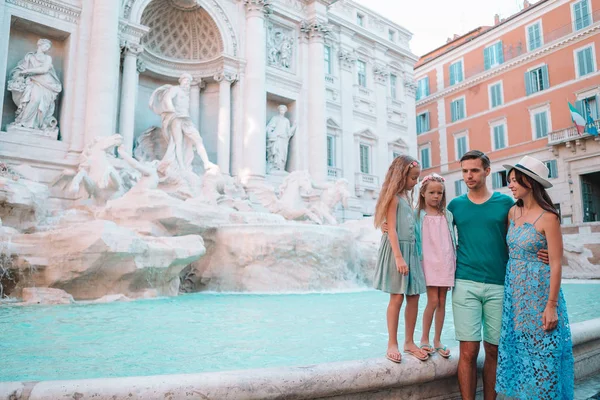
(419, 86)
(458, 136)
(493, 124)
(392, 35)
(539, 66)
(428, 148)
(495, 55)
(456, 194)
(360, 19)
(333, 151)
(369, 157)
(576, 59)
(464, 97)
(462, 70)
(535, 110)
(539, 21)
(497, 173)
(549, 170)
(501, 83)
(358, 73)
(329, 64)
(394, 86)
(573, 19)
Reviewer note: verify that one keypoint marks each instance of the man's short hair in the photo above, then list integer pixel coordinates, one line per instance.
(476, 155)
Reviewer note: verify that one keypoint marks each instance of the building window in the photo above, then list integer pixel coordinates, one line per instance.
(496, 95)
(457, 109)
(537, 80)
(461, 146)
(330, 151)
(393, 83)
(328, 68)
(362, 73)
(541, 124)
(360, 19)
(584, 61)
(365, 159)
(456, 73)
(422, 88)
(499, 180)
(581, 14)
(395, 155)
(534, 36)
(423, 123)
(552, 169)
(425, 158)
(392, 35)
(493, 55)
(588, 106)
(499, 137)
(460, 187)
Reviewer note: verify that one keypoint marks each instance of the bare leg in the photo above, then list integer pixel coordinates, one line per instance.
(489, 371)
(440, 315)
(178, 140)
(467, 369)
(200, 149)
(393, 314)
(432, 303)
(410, 321)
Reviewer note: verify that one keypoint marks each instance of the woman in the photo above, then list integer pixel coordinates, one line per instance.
(535, 358)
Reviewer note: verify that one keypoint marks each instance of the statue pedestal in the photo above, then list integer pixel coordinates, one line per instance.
(276, 177)
(19, 130)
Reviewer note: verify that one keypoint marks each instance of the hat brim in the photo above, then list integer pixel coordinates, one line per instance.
(545, 183)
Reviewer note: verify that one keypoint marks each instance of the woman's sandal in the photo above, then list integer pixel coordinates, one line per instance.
(443, 351)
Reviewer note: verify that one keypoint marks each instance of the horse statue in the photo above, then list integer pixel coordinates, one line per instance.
(331, 196)
(289, 203)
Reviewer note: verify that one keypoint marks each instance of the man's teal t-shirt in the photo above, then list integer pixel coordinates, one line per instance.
(482, 254)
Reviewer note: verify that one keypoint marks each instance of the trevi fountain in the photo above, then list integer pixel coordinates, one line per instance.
(216, 162)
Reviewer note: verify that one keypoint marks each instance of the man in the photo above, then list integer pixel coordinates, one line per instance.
(481, 220)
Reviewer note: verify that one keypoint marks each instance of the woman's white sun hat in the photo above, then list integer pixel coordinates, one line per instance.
(533, 168)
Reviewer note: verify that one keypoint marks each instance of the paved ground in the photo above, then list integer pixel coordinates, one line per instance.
(588, 389)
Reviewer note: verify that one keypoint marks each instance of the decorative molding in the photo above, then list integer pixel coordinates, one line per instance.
(367, 135)
(141, 67)
(131, 33)
(51, 8)
(174, 68)
(411, 87)
(525, 58)
(347, 59)
(262, 6)
(132, 48)
(280, 47)
(226, 76)
(315, 28)
(380, 74)
(227, 22)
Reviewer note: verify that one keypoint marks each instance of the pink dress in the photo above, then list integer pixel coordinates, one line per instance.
(439, 261)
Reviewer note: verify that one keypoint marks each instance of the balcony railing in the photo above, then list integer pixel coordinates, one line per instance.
(330, 79)
(367, 181)
(569, 134)
(334, 173)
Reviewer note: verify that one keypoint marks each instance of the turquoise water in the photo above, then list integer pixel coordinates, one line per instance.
(208, 332)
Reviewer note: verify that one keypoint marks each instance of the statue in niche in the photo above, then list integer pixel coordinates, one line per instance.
(183, 139)
(279, 133)
(35, 87)
(279, 48)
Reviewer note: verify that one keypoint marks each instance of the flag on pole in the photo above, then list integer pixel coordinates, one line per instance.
(577, 119)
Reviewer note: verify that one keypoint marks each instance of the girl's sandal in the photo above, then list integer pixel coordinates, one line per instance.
(427, 348)
(443, 351)
(392, 359)
(416, 355)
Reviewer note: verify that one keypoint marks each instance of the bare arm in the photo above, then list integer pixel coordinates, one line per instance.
(133, 162)
(393, 237)
(551, 229)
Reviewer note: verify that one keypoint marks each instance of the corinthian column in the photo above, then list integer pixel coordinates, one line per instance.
(317, 125)
(102, 71)
(255, 95)
(224, 130)
(129, 89)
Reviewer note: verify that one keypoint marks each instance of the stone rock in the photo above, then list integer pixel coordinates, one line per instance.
(35, 295)
(97, 258)
(367, 240)
(22, 203)
(111, 298)
(273, 258)
(581, 257)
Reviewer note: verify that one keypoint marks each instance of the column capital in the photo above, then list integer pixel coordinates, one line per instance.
(315, 28)
(380, 73)
(198, 82)
(225, 76)
(411, 87)
(347, 59)
(141, 66)
(260, 7)
(131, 48)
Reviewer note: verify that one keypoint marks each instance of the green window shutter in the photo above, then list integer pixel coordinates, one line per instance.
(545, 77)
(578, 15)
(427, 127)
(459, 72)
(589, 60)
(426, 83)
(486, 57)
(463, 111)
(419, 127)
(528, 88)
(453, 111)
(499, 52)
(452, 75)
(580, 107)
(457, 187)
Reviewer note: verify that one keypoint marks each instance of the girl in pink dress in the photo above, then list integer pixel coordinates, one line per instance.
(437, 244)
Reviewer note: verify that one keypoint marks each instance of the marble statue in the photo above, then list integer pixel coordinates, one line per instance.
(149, 175)
(331, 196)
(279, 133)
(35, 86)
(96, 171)
(172, 103)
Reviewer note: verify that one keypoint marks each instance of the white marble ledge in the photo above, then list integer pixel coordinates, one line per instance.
(35, 148)
(372, 378)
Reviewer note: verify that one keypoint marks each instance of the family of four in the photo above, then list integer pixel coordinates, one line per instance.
(503, 260)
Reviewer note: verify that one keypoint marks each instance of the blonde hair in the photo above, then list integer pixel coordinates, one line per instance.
(424, 183)
(394, 184)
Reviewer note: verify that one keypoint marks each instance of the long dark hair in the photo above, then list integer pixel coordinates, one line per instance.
(540, 195)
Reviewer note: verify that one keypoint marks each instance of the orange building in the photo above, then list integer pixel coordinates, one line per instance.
(504, 90)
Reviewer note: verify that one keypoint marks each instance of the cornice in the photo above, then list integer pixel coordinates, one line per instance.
(51, 8)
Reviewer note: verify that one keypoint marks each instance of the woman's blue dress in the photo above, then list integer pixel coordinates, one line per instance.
(532, 363)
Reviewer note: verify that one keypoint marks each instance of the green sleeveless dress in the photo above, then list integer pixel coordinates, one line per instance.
(387, 278)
